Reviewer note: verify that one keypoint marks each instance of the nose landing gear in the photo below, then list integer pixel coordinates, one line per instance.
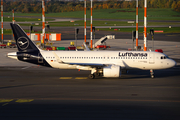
(152, 73)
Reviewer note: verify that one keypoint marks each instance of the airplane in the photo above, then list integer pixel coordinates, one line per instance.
(101, 63)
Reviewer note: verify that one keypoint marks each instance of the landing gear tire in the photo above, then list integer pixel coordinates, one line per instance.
(152, 74)
(91, 76)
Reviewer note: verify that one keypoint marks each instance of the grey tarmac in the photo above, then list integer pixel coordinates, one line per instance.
(45, 93)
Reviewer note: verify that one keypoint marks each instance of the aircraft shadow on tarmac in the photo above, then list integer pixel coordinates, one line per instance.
(43, 72)
(133, 74)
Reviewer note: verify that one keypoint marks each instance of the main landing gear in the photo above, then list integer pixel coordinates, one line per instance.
(93, 73)
(91, 76)
(152, 73)
(96, 72)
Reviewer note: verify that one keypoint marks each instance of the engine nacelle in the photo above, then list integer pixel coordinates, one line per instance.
(112, 71)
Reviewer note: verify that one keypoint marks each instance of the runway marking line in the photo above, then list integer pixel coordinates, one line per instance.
(5, 104)
(65, 78)
(24, 100)
(5, 100)
(81, 78)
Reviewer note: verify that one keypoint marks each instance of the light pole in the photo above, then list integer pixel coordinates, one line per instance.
(152, 35)
(2, 40)
(76, 35)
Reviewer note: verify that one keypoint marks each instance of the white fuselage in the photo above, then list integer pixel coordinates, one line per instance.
(145, 60)
(101, 63)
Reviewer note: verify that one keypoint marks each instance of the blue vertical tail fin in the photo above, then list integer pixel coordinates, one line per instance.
(23, 42)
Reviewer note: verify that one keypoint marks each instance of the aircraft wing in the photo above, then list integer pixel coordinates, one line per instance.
(92, 65)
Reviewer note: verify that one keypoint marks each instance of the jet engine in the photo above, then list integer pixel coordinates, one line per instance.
(112, 71)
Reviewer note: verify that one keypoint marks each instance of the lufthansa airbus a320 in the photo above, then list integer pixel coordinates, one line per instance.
(100, 63)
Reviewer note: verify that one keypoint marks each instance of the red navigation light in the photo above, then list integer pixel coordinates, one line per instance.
(159, 50)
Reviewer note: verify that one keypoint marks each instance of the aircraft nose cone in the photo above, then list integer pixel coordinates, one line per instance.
(173, 63)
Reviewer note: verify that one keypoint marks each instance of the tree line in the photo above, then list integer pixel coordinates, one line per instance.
(63, 6)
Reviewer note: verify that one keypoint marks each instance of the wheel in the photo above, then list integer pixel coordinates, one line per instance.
(91, 76)
(152, 76)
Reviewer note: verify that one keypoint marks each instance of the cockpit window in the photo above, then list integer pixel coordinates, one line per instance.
(164, 57)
